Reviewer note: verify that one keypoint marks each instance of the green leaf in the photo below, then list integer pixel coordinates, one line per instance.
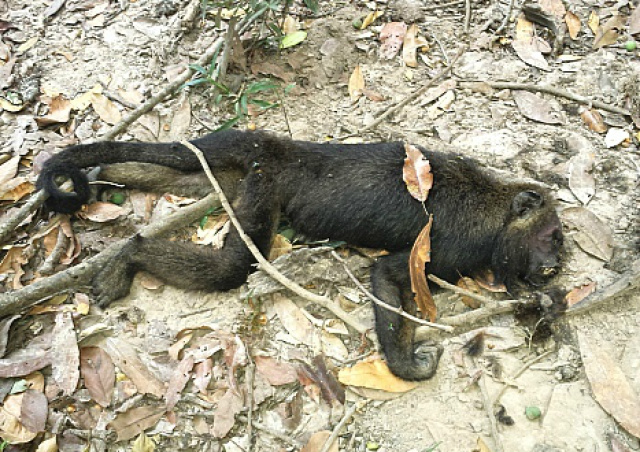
(230, 123)
(289, 87)
(198, 68)
(293, 39)
(198, 81)
(244, 103)
(312, 5)
(264, 85)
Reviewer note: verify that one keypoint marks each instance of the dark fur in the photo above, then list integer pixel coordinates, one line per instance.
(353, 193)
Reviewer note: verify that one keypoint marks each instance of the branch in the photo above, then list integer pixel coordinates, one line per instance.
(336, 431)
(264, 263)
(385, 305)
(464, 292)
(82, 274)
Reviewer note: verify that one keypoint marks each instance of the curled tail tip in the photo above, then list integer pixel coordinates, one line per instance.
(61, 201)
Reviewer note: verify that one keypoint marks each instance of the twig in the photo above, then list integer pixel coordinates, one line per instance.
(385, 305)
(519, 372)
(505, 21)
(249, 376)
(445, 56)
(79, 275)
(264, 263)
(627, 282)
(488, 406)
(284, 438)
(27, 209)
(336, 431)
(467, 16)
(58, 250)
(226, 52)
(560, 93)
(460, 291)
(394, 109)
(442, 5)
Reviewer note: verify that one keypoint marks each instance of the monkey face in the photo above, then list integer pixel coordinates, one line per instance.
(544, 253)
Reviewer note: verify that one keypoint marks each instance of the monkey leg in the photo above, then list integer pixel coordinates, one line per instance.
(407, 359)
(196, 267)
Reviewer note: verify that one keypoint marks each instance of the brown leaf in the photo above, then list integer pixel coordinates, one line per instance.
(554, 7)
(16, 189)
(135, 421)
(9, 169)
(34, 410)
(529, 52)
(28, 361)
(202, 375)
(420, 255)
(65, 356)
(48, 445)
(577, 294)
(330, 387)
(573, 24)
(416, 173)
(317, 440)
(593, 236)
(486, 279)
(101, 212)
(106, 109)
(593, 22)
(537, 108)
(98, 373)
(178, 381)
(374, 374)
(5, 326)
(391, 36)
(126, 358)
(634, 22)
(276, 372)
(472, 286)
(581, 181)
(356, 83)
(281, 246)
(593, 119)
(225, 416)
(610, 32)
(610, 386)
(59, 111)
(411, 44)
(370, 18)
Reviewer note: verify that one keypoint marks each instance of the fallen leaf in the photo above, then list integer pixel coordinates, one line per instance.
(126, 358)
(65, 356)
(434, 93)
(28, 44)
(135, 421)
(82, 101)
(178, 381)
(610, 386)
(634, 22)
(411, 44)
(374, 374)
(471, 285)
(293, 39)
(290, 25)
(536, 108)
(34, 410)
(5, 326)
(202, 373)
(593, 236)
(317, 441)
(332, 346)
(610, 32)
(53, 8)
(593, 22)
(577, 294)
(59, 111)
(615, 136)
(98, 373)
(277, 373)
(528, 52)
(143, 444)
(30, 360)
(180, 121)
(16, 189)
(617, 445)
(392, 36)
(420, 255)
(9, 169)
(581, 181)
(573, 25)
(48, 445)
(225, 416)
(101, 212)
(106, 110)
(416, 173)
(293, 320)
(593, 119)
(370, 18)
(482, 446)
(356, 83)
(280, 246)
(330, 387)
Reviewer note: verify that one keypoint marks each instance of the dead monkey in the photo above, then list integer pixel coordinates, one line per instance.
(353, 193)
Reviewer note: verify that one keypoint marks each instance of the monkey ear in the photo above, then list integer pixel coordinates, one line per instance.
(526, 201)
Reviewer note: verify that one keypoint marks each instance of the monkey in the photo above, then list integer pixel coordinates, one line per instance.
(353, 193)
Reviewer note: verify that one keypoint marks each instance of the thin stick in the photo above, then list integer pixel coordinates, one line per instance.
(443, 5)
(7, 228)
(488, 406)
(250, 375)
(336, 431)
(467, 16)
(560, 93)
(385, 305)
(520, 371)
(397, 107)
(284, 438)
(82, 274)
(460, 291)
(505, 21)
(264, 263)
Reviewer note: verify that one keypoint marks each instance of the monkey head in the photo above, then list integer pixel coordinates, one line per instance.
(529, 247)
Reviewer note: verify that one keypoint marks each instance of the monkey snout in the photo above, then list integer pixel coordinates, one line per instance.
(549, 271)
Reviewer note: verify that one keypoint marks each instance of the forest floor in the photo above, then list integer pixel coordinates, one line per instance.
(254, 368)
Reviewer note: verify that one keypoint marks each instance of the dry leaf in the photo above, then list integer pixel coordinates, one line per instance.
(98, 373)
(27, 44)
(529, 52)
(82, 101)
(634, 22)
(615, 136)
(536, 108)
(593, 236)
(225, 416)
(202, 373)
(126, 358)
(610, 386)
(471, 285)
(610, 32)
(9, 169)
(101, 212)
(420, 255)
(34, 410)
(581, 181)
(482, 446)
(106, 109)
(293, 320)
(573, 25)
(416, 173)
(356, 83)
(317, 441)
(330, 387)
(411, 44)
(59, 111)
(16, 189)
(5, 326)
(48, 445)
(214, 231)
(391, 36)
(179, 380)
(593, 22)
(135, 421)
(593, 119)
(65, 362)
(374, 374)
(370, 18)
(143, 444)
(332, 346)
(280, 247)
(276, 372)
(30, 360)
(577, 294)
